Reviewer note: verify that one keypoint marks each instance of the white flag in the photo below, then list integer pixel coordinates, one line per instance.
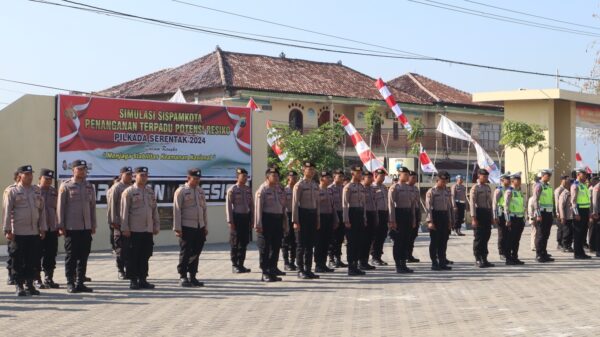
(178, 97)
(451, 129)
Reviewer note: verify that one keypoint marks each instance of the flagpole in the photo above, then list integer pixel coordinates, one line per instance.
(467, 177)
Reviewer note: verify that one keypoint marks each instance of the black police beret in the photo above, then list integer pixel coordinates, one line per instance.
(308, 164)
(272, 170)
(141, 169)
(403, 169)
(78, 163)
(412, 173)
(48, 173)
(444, 175)
(356, 168)
(241, 170)
(367, 173)
(381, 171)
(25, 169)
(126, 169)
(483, 172)
(325, 174)
(338, 171)
(194, 172)
(292, 174)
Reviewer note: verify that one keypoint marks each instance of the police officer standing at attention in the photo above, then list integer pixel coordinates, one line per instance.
(580, 204)
(190, 224)
(239, 206)
(11, 280)
(372, 220)
(594, 237)
(49, 244)
(565, 216)
(543, 210)
(438, 204)
(305, 217)
(481, 214)
(564, 181)
(139, 222)
(402, 219)
(353, 206)
(412, 182)
(268, 223)
(380, 194)
(113, 201)
(459, 200)
(24, 223)
(514, 213)
(288, 246)
(76, 212)
(335, 249)
(498, 213)
(328, 222)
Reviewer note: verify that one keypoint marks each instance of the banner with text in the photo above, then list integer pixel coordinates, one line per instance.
(168, 138)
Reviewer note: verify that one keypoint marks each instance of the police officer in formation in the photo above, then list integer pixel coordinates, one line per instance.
(580, 204)
(438, 204)
(239, 216)
(380, 196)
(401, 205)
(370, 224)
(11, 280)
(113, 202)
(459, 202)
(76, 211)
(306, 220)
(594, 236)
(190, 224)
(481, 218)
(564, 214)
(544, 215)
(328, 222)
(288, 246)
(24, 225)
(514, 213)
(412, 182)
(498, 214)
(354, 214)
(335, 248)
(49, 244)
(564, 235)
(269, 224)
(139, 222)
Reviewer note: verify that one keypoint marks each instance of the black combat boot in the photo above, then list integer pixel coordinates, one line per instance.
(31, 288)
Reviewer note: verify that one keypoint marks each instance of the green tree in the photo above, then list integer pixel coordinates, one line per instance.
(527, 138)
(414, 137)
(319, 145)
(373, 122)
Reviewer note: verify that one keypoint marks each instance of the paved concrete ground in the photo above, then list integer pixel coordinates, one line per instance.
(559, 299)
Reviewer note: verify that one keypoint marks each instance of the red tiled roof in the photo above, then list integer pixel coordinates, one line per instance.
(239, 71)
(433, 91)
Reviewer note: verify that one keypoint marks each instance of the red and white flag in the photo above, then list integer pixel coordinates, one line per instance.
(391, 102)
(426, 164)
(274, 141)
(364, 151)
(252, 105)
(580, 163)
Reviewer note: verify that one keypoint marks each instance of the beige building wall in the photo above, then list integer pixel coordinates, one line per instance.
(28, 135)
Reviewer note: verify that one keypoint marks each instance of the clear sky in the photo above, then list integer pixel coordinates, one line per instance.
(84, 51)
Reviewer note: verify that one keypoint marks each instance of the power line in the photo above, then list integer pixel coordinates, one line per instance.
(230, 35)
(533, 15)
(503, 18)
(298, 28)
(40, 85)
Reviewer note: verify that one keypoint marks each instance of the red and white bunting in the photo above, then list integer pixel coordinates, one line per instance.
(274, 143)
(364, 151)
(252, 105)
(426, 164)
(391, 102)
(580, 163)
